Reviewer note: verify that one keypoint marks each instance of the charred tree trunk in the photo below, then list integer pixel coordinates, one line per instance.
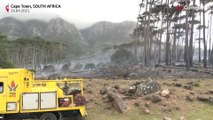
(210, 39)
(186, 42)
(161, 34)
(167, 38)
(200, 38)
(191, 39)
(204, 37)
(174, 53)
(136, 36)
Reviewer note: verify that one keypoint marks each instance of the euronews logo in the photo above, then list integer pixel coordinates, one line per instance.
(180, 8)
(184, 5)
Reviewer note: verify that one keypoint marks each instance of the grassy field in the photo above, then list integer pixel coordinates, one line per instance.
(195, 111)
(100, 110)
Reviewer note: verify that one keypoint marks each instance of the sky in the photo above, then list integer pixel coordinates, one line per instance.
(80, 12)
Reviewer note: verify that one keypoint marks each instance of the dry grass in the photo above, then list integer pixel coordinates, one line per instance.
(100, 110)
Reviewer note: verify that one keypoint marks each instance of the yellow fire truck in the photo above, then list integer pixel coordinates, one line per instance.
(22, 97)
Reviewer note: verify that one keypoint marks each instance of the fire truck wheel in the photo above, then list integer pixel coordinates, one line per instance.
(48, 116)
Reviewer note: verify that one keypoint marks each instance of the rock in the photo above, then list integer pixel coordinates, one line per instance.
(105, 97)
(177, 108)
(115, 90)
(190, 98)
(146, 110)
(167, 118)
(48, 68)
(124, 91)
(117, 101)
(167, 84)
(131, 90)
(166, 109)
(191, 83)
(178, 84)
(182, 118)
(188, 87)
(133, 75)
(147, 104)
(203, 98)
(137, 104)
(210, 91)
(192, 93)
(104, 89)
(155, 98)
(165, 93)
(117, 87)
(148, 87)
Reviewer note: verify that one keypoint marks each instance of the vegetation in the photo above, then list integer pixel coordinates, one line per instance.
(89, 66)
(78, 66)
(122, 57)
(4, 63)
(31, 53)
(160, 22)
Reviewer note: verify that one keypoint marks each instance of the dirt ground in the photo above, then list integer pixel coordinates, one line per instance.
(182, 103)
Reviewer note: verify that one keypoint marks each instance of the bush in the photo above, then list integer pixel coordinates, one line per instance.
(122, 57)
(78, 66)
(66, 67)
(89, 66)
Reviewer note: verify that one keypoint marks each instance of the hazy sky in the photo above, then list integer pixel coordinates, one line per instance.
(80, 12)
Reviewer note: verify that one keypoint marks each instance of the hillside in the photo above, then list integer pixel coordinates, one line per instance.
(96, 37)
(56, 30)
(106, 34)
(14, 28)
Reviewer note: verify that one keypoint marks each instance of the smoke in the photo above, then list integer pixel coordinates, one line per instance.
(99, 59)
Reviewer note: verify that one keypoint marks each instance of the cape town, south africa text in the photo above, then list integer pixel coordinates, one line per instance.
(36, 6)
(24, 8)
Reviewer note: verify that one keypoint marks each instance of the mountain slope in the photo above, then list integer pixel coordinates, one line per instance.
(96, 37)
(56, 29)
(36, 28)
(106, 34)
(12, 27)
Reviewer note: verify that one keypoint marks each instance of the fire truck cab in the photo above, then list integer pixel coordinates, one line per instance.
(22, 97)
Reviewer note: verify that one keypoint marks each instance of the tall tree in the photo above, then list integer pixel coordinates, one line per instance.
(204, 36)
(167, 36)
(191, 36)
(186, 39)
